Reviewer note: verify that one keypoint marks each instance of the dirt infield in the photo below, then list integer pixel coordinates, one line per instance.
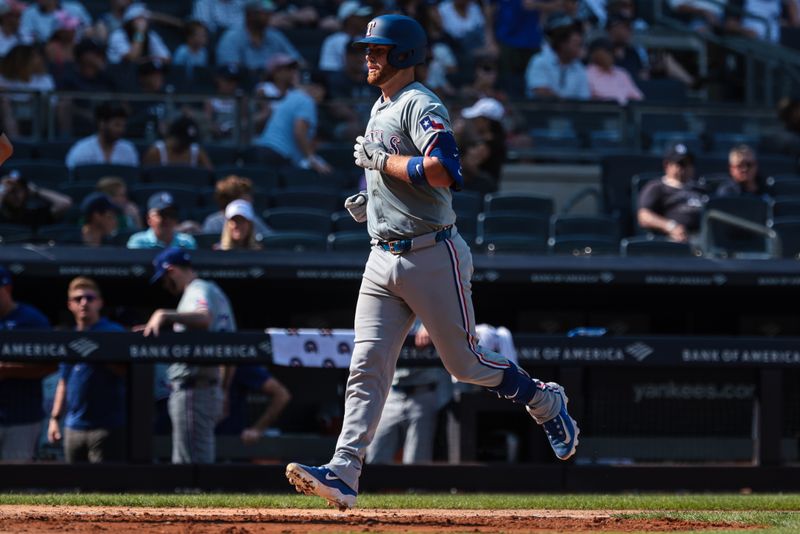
(84, 519)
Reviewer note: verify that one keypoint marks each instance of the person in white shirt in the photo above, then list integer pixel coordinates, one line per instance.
(37, 20)
(107, 145)
(463, 21)
(10, 13)
(135, 41)
(219, 15)
(353, 17)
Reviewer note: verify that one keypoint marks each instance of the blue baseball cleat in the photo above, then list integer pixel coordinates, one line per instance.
(322, 482)
(562, 431)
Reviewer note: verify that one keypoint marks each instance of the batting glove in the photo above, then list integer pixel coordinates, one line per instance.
(357, 206)
(369, 155)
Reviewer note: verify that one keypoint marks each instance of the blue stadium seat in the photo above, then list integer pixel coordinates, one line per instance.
(513, 231)
(306, 197)
(343, 222)
(726, 240)
(584, 245)
(178, 174)
(585, 225)
(299, 219)
(353, 241)
(45, 173)
(785, 207)
(295, 241)
(788, 229)
(654, 246)
(59, 234)
(520, 203)
(262, 176)
(14, 233)
(92, 173)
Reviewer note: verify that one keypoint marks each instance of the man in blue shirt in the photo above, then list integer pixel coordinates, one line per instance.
(21, 402)
(288, 137)
(252, 379)
(557, 71)
(162, 220)
(92, 395)
(252, 44)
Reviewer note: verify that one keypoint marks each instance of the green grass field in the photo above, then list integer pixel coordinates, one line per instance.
(779, 513)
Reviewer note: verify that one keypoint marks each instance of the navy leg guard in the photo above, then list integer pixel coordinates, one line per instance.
(517, 385)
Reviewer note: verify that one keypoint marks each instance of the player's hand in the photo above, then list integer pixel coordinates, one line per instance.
(53, 431)
(369, 155)
(357, 206)
(250, 436)
(153, 326)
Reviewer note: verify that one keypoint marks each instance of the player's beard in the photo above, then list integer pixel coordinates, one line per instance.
(381, 76)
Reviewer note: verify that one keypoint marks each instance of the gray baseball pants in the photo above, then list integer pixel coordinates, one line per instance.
(434, 284)
(194, 413)
(408, 421)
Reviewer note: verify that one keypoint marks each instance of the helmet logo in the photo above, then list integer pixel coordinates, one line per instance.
(370, 27)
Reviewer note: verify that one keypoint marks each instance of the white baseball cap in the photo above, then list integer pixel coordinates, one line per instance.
(240, 207)
(350, 8)
(134, 11)
(485, 107)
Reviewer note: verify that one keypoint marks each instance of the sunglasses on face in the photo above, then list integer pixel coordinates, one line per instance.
(745, 165)
(77, 299)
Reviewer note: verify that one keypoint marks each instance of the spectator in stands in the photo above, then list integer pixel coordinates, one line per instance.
(193, 53)
(10, 14)
(606, 80)
(557, 71)
(21, 399)
(248, 379)
(196, 397)
(514, 30)
(353, 17)
(787, 140)
(23, 202)
(673, 204)
(288, 137)
(219, 15)
(292, 14)
(226, 191)
(239, 232)
(463, 22)
(38, 19)
(59, 52)
(88, 74)
(179, 148)
(162, 222)
(282, 73)
(100, 219)
(744, 177)
(484, 81)
(107, 145)
(149, 118)
(636, 59)
(110, 21)
(24, 68)
(700, 15)
(135, 42)
(220, 111)
(482, 143)
(763, 19)
(252, 44)
(93, 396)
(117, 190)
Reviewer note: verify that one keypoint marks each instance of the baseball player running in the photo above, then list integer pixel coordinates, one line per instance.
(419, 265)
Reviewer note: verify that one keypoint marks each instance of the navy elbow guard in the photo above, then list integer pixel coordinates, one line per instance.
(444, 148)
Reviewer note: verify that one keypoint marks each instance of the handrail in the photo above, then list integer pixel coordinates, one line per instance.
(773, 239)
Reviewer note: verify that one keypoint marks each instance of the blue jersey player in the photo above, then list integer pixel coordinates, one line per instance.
(419, 265)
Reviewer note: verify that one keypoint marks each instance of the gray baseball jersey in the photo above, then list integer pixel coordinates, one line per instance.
(406, 125)
(202, 295)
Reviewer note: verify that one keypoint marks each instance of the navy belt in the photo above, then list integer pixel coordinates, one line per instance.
(401, 246)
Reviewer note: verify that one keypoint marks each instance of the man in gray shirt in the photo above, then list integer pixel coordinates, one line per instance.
(419, 265)
(196, 397)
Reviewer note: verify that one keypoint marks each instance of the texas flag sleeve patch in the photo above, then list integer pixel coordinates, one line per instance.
(429, 122)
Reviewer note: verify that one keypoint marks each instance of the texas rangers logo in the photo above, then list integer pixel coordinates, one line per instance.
(370, 27)
(428, 122)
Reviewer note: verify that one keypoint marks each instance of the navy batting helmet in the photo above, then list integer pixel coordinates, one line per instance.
(404, 34)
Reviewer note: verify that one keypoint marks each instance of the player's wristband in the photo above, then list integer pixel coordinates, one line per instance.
(416, 171)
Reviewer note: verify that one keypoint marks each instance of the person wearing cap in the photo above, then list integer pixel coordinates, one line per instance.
(227, 190)
(239, 230)
(743, 176)
(100, 218)
(10, 14)
(196, 398)
(288, 137)
(135, 41)
(180, 147)
(673, 204)
(193, 52)
(281, 74)
(91, 397)
(37, 20)
(23, 202)
(251, 44)
(221, 110)
(481, 140)
(557, 71)
(107, 145)
(606, 80)
(21, 399)
(219, 15)
(352, 16)
(117, 190)
(162, 222)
